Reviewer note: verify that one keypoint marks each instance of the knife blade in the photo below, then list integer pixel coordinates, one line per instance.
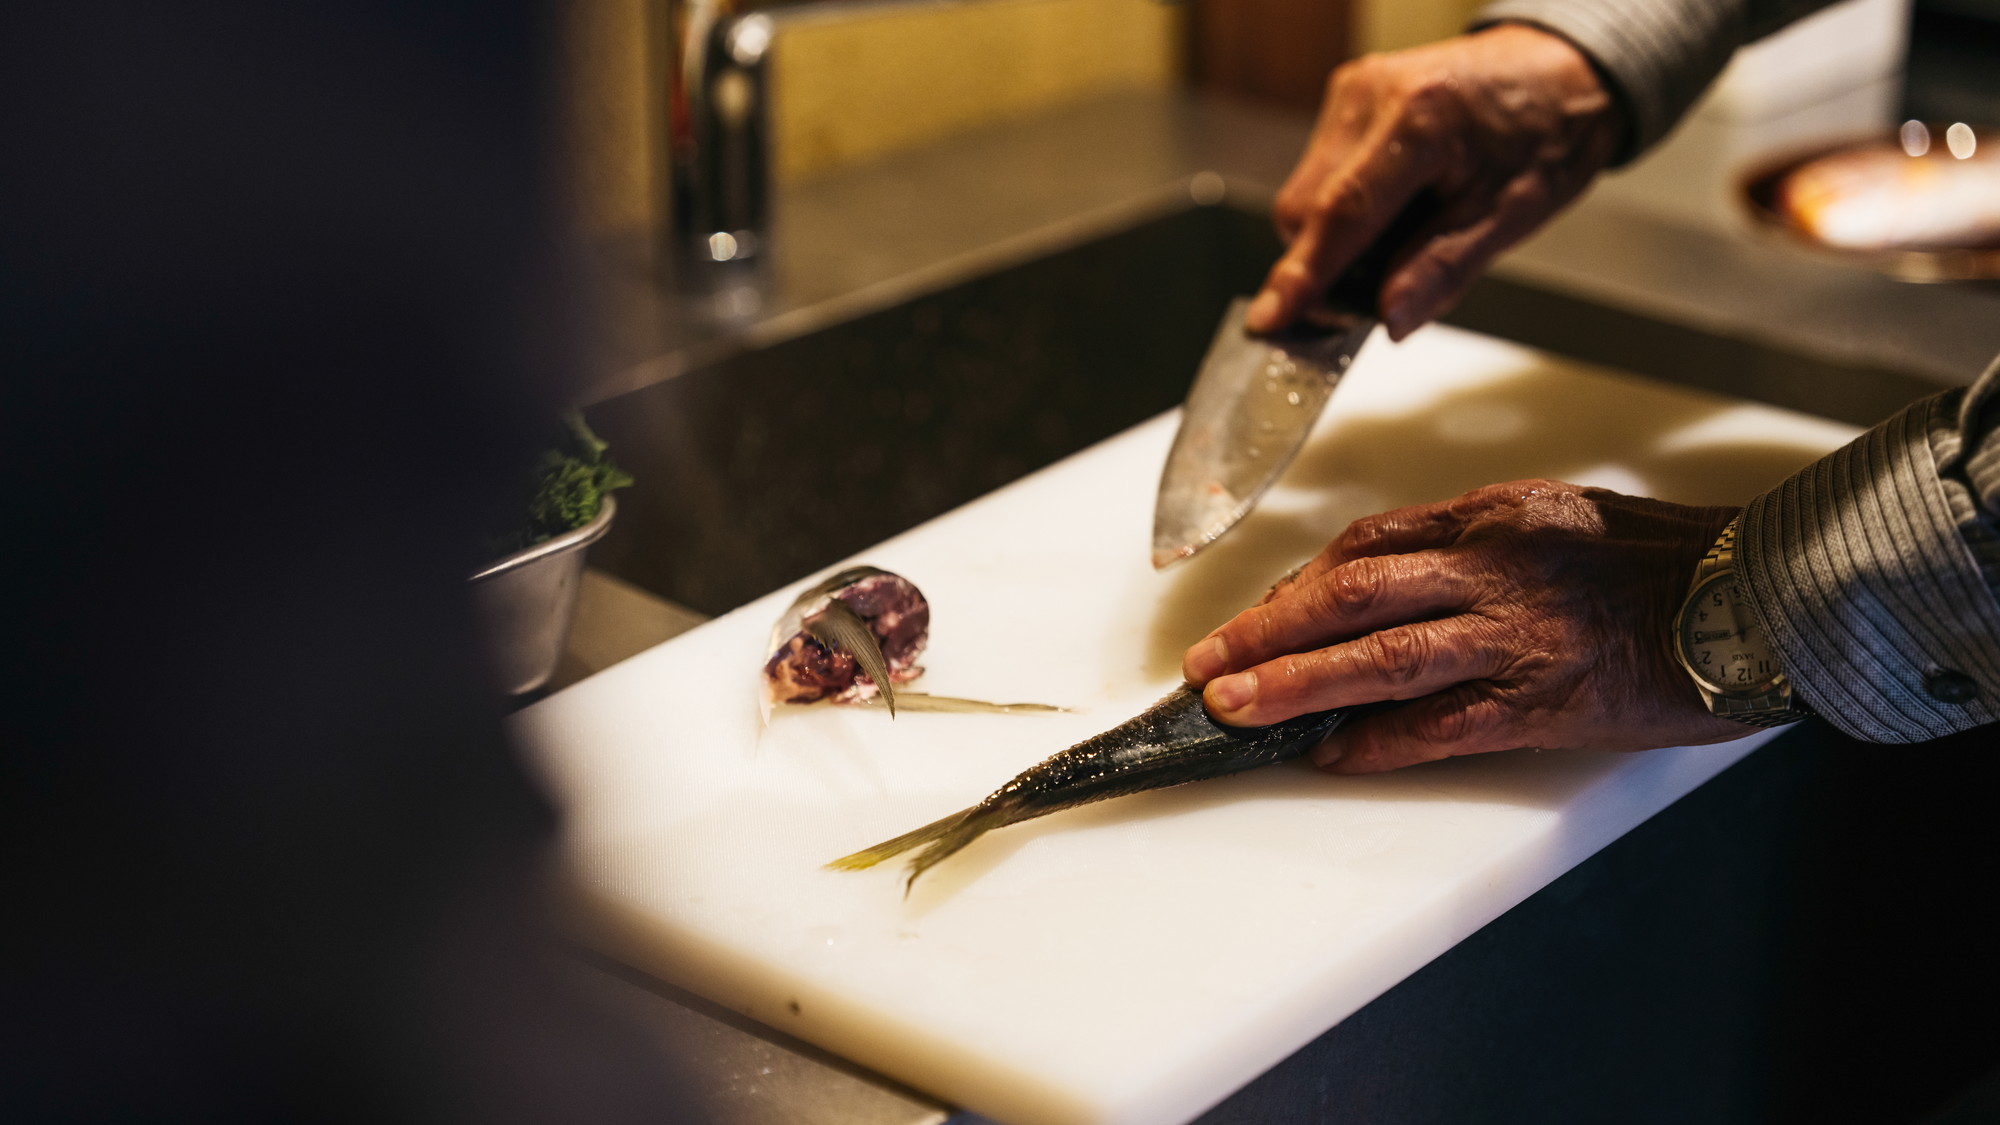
(1255, 398)
(1253, 401)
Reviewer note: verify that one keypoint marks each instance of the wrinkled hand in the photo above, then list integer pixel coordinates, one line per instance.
(1502, 128)
(1535, 613)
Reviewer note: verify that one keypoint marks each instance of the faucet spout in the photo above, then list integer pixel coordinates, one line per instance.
(718, 138)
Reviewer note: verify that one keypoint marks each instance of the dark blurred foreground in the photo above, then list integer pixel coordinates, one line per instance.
(279, 314)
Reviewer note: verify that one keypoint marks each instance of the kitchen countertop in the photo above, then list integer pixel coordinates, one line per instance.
(871, 237)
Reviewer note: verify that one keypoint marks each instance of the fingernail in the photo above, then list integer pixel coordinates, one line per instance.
(1263, 311)
(1325, 754)
(1232, 693)
(1397, 321)
(1405, 314)
(1207, 660)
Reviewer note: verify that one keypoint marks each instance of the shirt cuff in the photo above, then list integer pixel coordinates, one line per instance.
(1856, 568)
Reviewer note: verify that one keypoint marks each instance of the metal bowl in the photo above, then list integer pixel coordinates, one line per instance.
(1758, 191)
(525, 603)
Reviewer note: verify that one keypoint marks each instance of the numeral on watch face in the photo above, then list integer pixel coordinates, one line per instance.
(1722, 642)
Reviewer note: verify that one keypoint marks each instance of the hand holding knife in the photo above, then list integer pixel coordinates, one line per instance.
(1469, 144)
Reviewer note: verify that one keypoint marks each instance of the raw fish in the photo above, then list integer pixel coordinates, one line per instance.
(1171, 743)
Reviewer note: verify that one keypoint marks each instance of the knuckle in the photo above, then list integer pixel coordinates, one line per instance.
(1527, 663)
(1434, 88)
(1290, 273)
(1496, 495)
(1489, 632)
(1471, 505)
(1357, 73)
(1482, 583)
(1499, 501)
(1267, 630)
(1394, 76)
(1256, 632)
(1453, 719)
(1352, 91)
(1352, 589)
(1398, 657)
(1292, 207)
(1350, 202)
(1290, 683)
(1420, 119)
(1363, 536)
(1529, 193)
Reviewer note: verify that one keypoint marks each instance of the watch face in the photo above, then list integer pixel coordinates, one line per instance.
(1721, 642)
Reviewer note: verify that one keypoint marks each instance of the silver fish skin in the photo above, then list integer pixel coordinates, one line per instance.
(814, 600)
(1171, 743)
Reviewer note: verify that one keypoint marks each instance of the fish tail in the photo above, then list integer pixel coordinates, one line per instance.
(963, 829)
(938, 839)
(869, 857)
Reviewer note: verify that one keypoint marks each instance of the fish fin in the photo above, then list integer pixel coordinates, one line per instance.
(838, 626)
(869, 857)
(964, 829)
(953, 705)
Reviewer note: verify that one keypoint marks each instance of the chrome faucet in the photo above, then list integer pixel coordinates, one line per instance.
(717, 211)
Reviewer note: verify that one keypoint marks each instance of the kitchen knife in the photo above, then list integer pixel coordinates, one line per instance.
(1256, 397)
(1252, 404)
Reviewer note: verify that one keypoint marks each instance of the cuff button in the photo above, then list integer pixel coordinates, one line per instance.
(1951, 687)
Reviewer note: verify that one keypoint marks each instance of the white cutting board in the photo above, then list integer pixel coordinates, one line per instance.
(1138, 960)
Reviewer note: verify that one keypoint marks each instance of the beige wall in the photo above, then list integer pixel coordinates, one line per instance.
(853, 82)
(1388, 25)
(852, 85)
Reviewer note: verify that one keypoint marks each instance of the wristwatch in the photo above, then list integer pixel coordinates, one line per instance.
(1722, 645)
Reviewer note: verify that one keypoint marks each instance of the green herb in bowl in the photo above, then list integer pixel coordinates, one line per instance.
(569, 485)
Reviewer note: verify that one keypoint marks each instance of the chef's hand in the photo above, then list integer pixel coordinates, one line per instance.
(1535, 613)
(1502, 128)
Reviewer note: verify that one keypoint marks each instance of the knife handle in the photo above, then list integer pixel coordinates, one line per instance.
(1359, 287)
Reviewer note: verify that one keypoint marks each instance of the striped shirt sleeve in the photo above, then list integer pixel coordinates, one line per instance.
(1875, 571)
(1657, 55)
